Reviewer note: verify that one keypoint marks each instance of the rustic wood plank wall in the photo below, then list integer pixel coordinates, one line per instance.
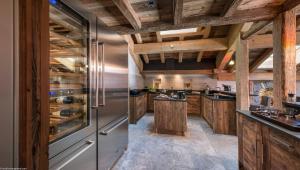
(34, 86)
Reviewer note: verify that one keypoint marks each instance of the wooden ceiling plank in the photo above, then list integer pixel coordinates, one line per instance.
(230, 8)
(205, 35)
(256, 63)
(178, 9)
(213, 44)
(162, 55)
(255, 28)
(129, 13)
(252, 15)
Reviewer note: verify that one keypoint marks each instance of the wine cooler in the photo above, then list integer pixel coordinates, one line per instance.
(88, 79)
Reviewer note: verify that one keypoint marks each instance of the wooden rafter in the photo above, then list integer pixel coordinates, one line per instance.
(230, 8)
(207, 72)
(178, 8)
(213, 44)
(250, 15)
(129, 13)
(159, 39)
(234, 34)
(256, 63)
(135, 57)
(180, 55)
(139, 40)
(205, 35)
(290, 4)
(265, 41)
(255, 28)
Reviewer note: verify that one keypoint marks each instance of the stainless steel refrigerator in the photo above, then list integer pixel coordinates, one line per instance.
(88, 90)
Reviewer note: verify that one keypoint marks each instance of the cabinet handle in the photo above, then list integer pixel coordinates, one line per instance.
(106, 132)
(290, 147)
(95, 44)
(90, 143)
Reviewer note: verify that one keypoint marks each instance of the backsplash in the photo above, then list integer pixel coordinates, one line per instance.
(178, 81)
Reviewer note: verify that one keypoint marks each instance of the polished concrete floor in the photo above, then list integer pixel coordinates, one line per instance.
(199, 149)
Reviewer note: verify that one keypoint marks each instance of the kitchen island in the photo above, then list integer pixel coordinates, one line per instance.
(170, 115)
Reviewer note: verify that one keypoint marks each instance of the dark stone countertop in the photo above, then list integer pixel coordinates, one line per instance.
(270, 124)
(221, 98)
(169, 99)
(138, 94)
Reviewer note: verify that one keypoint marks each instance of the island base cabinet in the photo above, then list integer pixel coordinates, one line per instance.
(170, 117)
(262, 147)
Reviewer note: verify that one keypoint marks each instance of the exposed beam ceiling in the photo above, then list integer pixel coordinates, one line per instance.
(230, 7)
(290, 4)
(162, 55)
(208, 72)
(213, 44)
(250, 15)
(234, 34)
(265, 41)
(139, 40)
(128, 12)
(257, 62)
(205, 35)
(178, 9)
(255, 28)
(135, 57)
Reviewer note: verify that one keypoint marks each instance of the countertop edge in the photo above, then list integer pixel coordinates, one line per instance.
(173, 100)
(270, 124)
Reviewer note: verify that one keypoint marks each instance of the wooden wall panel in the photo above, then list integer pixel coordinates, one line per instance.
(34, 86)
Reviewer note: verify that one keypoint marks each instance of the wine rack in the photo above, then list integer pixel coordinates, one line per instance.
(68, 74)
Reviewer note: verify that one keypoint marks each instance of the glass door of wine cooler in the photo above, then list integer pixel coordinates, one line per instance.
(69, 74)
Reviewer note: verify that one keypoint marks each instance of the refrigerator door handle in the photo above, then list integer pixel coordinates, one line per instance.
(96, 77)
(90, 143)
(108, 131)
(102, 75)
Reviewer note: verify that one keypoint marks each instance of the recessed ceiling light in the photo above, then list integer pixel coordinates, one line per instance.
(231, 62)
(181, 31)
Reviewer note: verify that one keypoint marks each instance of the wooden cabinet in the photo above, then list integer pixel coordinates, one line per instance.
(284, 152)
(250, 144)
(262, 147)
(138, 107)
(219, 114)
(151, 96)
(224, 117)
(207, 110)
(170, 117)
(193, 104)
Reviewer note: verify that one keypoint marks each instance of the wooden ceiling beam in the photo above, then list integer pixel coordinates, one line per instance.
(290, 4)
(135, 57)
(205, 35)
(139, 40)
(233, 36)
(129, 13)
(207, 72)
(255, 28)
(213, 44)
(244, 16)
(178, 8)
(256, 63)
(230, 7)
(159, 39)
(265, 41)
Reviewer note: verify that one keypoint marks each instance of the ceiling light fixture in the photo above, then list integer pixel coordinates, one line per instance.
(231, 62)
(181, 31)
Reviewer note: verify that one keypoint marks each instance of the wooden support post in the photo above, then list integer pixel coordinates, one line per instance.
(242, 75)
(284, 63)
